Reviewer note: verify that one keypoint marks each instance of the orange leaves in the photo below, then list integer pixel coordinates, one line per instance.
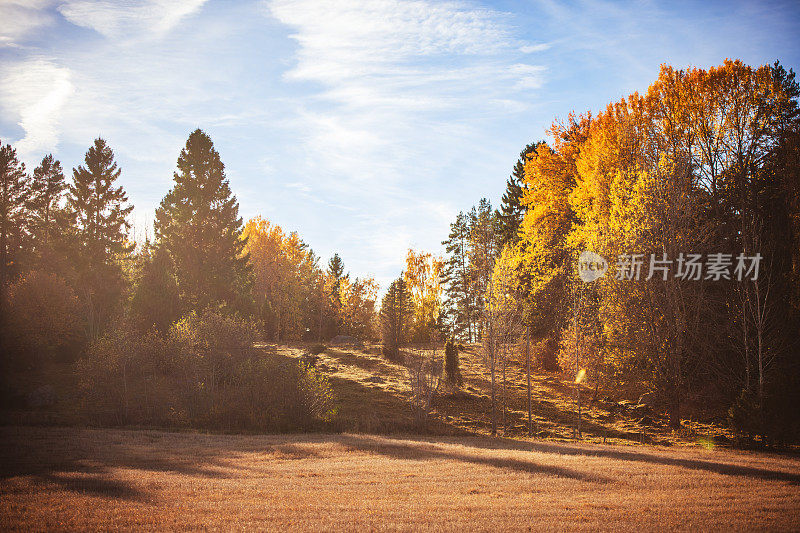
(424, 278)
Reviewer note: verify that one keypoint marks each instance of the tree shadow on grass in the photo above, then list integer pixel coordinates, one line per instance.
(84, 461)
(425, 451)
(643, 457)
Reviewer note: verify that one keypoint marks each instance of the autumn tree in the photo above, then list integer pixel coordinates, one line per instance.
(423, 277)
(284, 275)
(357, 307)
(198, 224)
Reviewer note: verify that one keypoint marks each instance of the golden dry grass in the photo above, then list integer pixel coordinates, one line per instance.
(77, 479)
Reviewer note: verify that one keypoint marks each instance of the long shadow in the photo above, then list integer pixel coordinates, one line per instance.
(76, 462)
(365, 363)
(623, 455)
(423, 451)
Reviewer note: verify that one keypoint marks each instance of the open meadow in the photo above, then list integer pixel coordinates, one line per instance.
(78, 479)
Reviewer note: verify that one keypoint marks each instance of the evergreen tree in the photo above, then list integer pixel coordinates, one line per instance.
(198, 224)
(47, 220)
(397, 311)
(336, 270)
(511, 209)
(155, 293)
(99, 208)
(484, 248)
(13, 191)
(99, 213)
(458, 303)
(336, 276)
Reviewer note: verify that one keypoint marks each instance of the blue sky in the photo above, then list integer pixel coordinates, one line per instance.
(365, 126)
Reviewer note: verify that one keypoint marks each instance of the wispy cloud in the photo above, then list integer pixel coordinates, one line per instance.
(35, 92)
(120, 20)
(395, 85)
(21, 18)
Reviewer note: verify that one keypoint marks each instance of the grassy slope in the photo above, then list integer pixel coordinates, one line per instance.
(77, 479)
(383, 406)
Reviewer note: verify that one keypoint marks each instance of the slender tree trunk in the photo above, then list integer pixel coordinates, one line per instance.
(528, 369)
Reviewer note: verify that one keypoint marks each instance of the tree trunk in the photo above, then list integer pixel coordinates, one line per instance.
(528, 367)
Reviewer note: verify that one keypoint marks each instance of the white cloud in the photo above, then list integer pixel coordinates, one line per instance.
(127, 19)
(20, 18)
(533, 48)
(35, 91)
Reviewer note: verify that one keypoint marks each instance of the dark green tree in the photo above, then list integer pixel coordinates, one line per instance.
(154, 299)
(459, 302)
(99, 208)
(99, 212)
(511, 209)
(198, 224)
(13, 192)
(484, 248)
(336, 273)
(48, 221)
(397, 311)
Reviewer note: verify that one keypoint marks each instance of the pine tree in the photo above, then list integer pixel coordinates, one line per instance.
(511, 210)
(336, 270)
(337, 276)
(98, 207)
(155, 293)
(198, 224)
(47, 219)
(13, 190)
(397, 311)
(484, 248)
(458, 303)
(99, 214)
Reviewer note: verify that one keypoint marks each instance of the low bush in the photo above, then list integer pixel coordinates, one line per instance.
(42, 321)
(205, 373)
(317, 349)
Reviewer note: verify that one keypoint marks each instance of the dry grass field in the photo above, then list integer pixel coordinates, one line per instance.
(77, 479)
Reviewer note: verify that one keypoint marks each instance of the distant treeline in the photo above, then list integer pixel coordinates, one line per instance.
(75, 288)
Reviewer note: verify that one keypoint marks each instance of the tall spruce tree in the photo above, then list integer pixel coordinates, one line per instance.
(484, 248)
(99, 212)
(511, 209)
(13, 191)
(198, 224)
(336, 269)
(459, 303)
(397, 311)
(47, 220)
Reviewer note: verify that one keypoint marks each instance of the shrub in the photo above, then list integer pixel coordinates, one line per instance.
(277, 394)
(42, 321)
(392, 353)
(316, 349)
(128, 378)
(206, 373)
